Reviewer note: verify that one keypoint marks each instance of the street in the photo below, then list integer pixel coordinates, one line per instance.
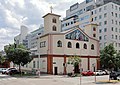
(54, 80)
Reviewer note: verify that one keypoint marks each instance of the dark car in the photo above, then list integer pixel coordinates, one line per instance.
(12, 71)
(113, 75)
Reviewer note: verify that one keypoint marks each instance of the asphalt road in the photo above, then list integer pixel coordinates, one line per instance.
(54, 80)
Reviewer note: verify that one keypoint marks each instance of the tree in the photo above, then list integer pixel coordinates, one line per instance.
(118, 59)
(107, 57)
(75, 60)
(18, 55)
(2, 59)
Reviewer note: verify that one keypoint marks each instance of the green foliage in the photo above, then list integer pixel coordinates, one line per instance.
(2, 59)
(75, 60)
(108, 57)
(18, 54)
(118, 59)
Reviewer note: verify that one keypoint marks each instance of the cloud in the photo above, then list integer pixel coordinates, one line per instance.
(13, 13)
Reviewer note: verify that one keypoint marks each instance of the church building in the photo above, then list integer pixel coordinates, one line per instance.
(55, 47)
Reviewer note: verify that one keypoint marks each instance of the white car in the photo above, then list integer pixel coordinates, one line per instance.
(100, 72)
(6, 70)
(118, 78)
(1, 69)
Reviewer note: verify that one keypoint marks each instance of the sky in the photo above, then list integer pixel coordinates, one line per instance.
(14, 13)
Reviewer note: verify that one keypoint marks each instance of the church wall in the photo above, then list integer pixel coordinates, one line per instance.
(58, 62)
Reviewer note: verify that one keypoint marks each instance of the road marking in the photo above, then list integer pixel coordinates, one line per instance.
(4, 79)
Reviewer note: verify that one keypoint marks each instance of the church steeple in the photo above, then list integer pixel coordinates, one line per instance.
(52, 23)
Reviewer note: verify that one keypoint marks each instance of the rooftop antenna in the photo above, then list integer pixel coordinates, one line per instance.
(51, 8)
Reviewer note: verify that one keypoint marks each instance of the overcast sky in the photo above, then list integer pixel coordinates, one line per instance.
(29, 12)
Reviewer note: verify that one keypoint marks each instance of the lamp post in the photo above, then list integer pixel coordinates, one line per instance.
(93, 65)
(80, 73)
(38, 71)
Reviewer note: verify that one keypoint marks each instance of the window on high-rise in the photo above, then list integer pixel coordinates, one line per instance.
(119, 23)
(119, 46)
(116, 29)
(112, 29)
(116, 22)
(115, 14)
(100, 16)
(105, 29)
(100, 37)
(116, 44)
(34, 64)
(105, 7)
(105, 22)
(116, 37)
(115, 7)
(95, 11)
(95, 18)
(112, 21)
(112, 6)
(105, 15)
(92, 13)
(100, 9)
(112, 13)
(112, 36)
(119, 37)
(100, 23)
(105, 37)
(100, 30)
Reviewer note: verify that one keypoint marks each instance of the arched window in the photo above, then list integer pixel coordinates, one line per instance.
(85, 46)
(54, 28)
(77, 45)
(92, 47)
(59, 44)
(54, 20)
(69, 45)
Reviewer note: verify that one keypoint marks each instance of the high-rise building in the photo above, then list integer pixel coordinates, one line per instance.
(105, 13)
(21, 38)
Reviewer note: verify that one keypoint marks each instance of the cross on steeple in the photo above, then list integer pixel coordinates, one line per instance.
(51, 8)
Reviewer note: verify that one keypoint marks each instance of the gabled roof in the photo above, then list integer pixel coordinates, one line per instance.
(51, 14)
(69, 31)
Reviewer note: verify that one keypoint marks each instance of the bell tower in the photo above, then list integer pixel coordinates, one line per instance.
(52, 23)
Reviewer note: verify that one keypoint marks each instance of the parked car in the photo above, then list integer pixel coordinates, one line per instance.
(113, 75)
(106, 72)
(87, 73)
(4, 71)
(100, 72)
(1, 69)
(118, 78)
(12, 71)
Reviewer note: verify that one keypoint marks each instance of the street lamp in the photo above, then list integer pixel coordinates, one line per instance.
(38, 72)
(93, 65)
